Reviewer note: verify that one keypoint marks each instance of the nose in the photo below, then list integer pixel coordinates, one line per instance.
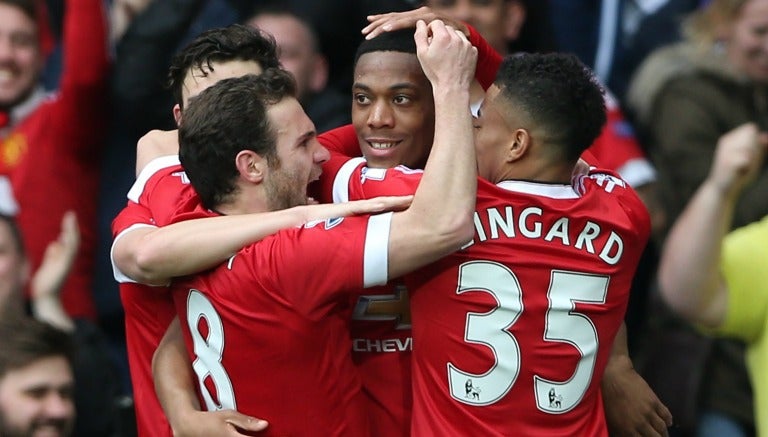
(58, 406)
(321, 154)
(6, 48)
(380, 115)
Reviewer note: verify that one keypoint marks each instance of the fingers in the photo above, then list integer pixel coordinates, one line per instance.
(242, 422)
(665, 414)
(70, 233)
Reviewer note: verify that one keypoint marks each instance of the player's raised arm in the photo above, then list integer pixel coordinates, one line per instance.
(689, 273)
(441, 215)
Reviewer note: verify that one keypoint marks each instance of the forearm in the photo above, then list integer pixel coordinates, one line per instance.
(85, 44)
(619, 358)
(173, 376)
(154, 255)
(488, 59)
(195, 245)
(689, 273)
(450, 174)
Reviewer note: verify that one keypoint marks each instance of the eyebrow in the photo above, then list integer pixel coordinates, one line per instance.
(397, 86)
(306, 136)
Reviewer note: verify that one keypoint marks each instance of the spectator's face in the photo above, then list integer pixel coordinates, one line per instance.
(298, 51)
(20, 57)
(748, 42)
(299, 156)
(36, 400)
(393, 110)
(489, 17)
(14, 268)
(196, 81)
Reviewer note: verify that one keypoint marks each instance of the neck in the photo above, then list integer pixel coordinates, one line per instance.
(538, 170)
(245, 201)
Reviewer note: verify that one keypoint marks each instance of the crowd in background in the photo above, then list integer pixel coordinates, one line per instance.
(78, 92)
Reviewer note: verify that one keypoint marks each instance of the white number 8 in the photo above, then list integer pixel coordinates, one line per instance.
(208, 352)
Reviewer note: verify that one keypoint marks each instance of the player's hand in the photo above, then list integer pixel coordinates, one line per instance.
(380, 23)
(356, 207)
(738, 158)
(631, 407)
(228, 423)
(154, 144)
(446, 55)
(57, 260)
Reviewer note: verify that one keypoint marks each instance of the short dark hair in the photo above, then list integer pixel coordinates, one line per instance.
(26, 340)
(559, 94)
(395, 41)
(224, 119)
(234, 42)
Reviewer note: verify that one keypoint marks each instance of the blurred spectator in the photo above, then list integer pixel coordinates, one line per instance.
(508, 25)
(49, 141)
(687, 96)
(92, 367)
(614, 36)
(721, 284)
(300, 55)
(338, 24)
(36, 379)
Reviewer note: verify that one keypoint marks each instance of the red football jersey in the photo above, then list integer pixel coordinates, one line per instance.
(268, 331)
(158, 192)
(511, 335)
(381, 319)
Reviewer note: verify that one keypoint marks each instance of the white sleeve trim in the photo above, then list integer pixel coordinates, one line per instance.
(121, 277)
(637, 172)
(376, 258)
(151, 168)
(341, 182)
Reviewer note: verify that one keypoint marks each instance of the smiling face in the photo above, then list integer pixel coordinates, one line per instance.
(36, 400)
(393, 110)
(748, 40)
(299, 156)
(20, 57)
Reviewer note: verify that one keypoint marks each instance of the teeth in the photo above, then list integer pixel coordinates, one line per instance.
(382, 145)
(5, 74)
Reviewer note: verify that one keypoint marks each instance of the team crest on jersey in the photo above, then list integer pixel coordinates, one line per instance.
(13, 149)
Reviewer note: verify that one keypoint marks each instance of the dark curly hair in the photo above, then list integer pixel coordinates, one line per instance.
(558, 94)
(235, 42)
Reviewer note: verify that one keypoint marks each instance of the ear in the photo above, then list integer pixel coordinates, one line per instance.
(514, 19)
(319, 78)
(519, 145)
(251, 166)
(177, 114)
